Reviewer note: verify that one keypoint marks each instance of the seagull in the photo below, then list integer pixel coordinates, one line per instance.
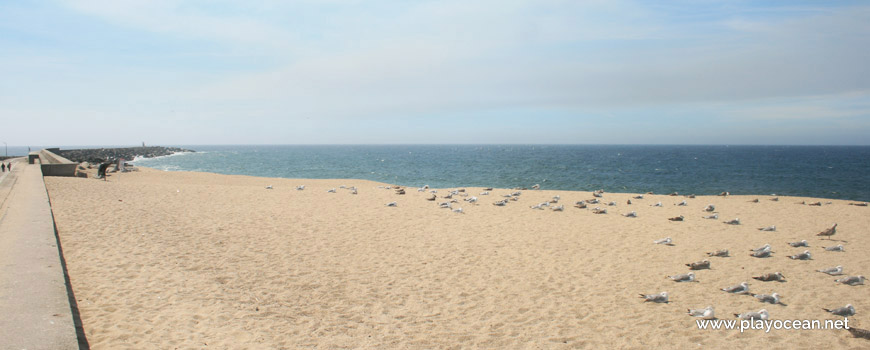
(741, 288)
(458, 210)
(484, 193)
(775, 199)
(754, 201)
(331, 190)
(829, 232)
(760, 315)
(769, 228)
(705, 313)
(612, 204)
(720, 253)
(471, 200)
(683, 204)
(537, 206)
(833, 271)
(802, 256)
(500, 203)
(656, 298)
(726, 193)
(765, 298)
(392, 204)
(845, 311)
(714, 216)
(836, 248)
(640, 196)
(678, 218)
(488, 189)
(683, 277)
(776, 276)
(659, 204)
(710, 208)
(353, 191)
(269, 187)
(445, 205)
(802, 243)
(628, 202)
(665, 241)
(763, 248)
(864, 204)
(536, 187)
(630, 215)
(300, 188)
(580, 204)
(432, 198)
(598, 210)
(736, 221)
(699, 265)
(559, 208)
(851, 280)
(761, 254)
(597, 194)
(593, 201)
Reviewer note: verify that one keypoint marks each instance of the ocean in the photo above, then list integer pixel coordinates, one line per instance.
(837, 172)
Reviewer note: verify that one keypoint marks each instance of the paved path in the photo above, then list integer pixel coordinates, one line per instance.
(35, 308)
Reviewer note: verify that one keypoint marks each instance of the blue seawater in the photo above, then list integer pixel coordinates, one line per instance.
(839, 172)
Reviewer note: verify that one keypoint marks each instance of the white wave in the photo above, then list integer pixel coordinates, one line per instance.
(141, 158)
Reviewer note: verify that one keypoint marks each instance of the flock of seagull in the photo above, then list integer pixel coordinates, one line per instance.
(764, 251)
(708, 312)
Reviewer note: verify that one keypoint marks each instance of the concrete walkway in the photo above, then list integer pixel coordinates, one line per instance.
(35, 310)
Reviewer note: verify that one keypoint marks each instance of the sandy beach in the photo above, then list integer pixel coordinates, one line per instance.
(164, 260)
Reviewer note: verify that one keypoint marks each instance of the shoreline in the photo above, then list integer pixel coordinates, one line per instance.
(189, 258)
(414, 187)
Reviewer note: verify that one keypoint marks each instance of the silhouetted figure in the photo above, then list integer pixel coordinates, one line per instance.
(9, 166)
(101, 171)
(3, 166)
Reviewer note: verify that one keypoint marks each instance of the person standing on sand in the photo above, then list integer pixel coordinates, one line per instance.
(3, 166)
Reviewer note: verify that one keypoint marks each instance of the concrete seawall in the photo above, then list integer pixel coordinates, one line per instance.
(55, 165)
(36, 301)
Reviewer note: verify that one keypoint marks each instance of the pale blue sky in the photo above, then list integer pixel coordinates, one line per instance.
(83, 72)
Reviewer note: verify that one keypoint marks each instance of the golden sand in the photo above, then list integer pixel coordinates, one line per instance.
(165, 260)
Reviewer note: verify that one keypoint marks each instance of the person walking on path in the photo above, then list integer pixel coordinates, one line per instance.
(3, 165)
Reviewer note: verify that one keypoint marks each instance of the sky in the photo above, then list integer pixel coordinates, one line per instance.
(173, 72)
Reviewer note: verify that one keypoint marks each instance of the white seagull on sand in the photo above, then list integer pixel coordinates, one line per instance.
(844, 311)
(665, 241)
(802, 243)
(722, 253)
(705, 313)
(765, 298)
(683, 277)
(851, 280)
(752, 315)
(714, 216)
(656, 298)
(392, 204)
(836, 248)
(741, 288)
(802, 256)
(769, 228)
(833, 271)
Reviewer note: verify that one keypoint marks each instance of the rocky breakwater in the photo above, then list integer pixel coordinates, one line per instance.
(100, 155)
